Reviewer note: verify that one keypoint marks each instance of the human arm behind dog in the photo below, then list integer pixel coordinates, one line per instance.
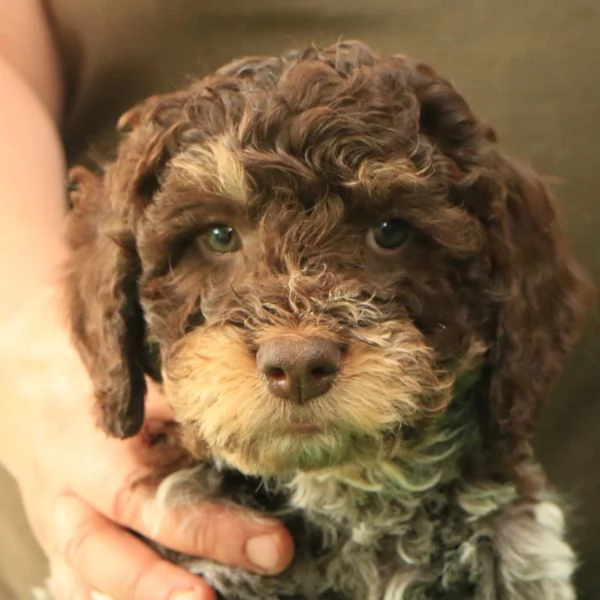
(76, 484)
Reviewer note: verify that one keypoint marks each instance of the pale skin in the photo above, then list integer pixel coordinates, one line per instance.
(76, 483)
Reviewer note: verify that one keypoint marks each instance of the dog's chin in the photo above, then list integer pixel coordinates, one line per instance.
(302, 447)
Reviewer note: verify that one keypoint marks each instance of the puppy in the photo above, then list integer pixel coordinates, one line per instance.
(356, 303)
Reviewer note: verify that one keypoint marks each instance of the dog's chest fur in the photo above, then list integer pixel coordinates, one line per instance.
(444, 541)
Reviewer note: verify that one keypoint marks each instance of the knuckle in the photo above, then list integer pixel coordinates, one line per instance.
(75, 541)
(138, 586)
(206, 533)
(124, 506)
(155, 574)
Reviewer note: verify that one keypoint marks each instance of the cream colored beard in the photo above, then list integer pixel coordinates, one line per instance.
(224, 406)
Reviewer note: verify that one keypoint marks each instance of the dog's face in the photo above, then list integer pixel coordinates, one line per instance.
(304, 335)
(322, 248)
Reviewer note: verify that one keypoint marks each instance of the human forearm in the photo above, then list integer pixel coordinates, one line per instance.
(31, 194)
(31, 215)
(31, 163)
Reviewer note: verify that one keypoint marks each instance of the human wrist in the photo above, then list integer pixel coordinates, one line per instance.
(37, 275)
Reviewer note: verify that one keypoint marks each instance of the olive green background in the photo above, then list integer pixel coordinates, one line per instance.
(530, 67)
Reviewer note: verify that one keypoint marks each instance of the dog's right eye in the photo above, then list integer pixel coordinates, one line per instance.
(388, 235)
(221, 239)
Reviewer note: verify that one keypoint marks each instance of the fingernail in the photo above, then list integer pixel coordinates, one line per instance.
(263, 551)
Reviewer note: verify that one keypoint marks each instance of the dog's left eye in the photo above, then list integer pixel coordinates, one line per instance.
(388, 235)
(222, 238)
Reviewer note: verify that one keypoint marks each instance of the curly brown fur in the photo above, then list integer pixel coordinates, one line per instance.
(411, 476)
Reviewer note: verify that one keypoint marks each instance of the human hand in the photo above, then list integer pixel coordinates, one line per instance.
(79, 487)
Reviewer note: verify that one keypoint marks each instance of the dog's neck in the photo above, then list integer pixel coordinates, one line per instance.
(428, 459)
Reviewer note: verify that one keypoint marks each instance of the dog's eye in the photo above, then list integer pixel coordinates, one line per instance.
(388, 235)
(222, 238)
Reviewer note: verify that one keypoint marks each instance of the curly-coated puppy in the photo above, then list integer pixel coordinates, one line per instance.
(356, 304)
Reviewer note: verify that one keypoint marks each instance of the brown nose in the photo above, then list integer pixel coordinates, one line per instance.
(298, 368)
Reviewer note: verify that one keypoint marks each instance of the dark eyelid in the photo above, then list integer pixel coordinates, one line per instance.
(215, 224)
(368, 216)
(191, 220)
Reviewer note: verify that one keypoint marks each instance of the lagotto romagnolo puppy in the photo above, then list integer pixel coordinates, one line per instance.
(356, 303)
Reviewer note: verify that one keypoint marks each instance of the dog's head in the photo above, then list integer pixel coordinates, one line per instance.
(316, 253)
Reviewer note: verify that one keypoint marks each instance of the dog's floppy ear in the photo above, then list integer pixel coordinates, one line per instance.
(538, 291)
(104, 268)
(542, 295)
(105, 316)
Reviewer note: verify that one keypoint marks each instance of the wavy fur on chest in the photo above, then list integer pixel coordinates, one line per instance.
(408, 528)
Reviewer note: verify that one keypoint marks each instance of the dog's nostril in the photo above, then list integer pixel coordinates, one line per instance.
(275, 373)
(298, 368)
(323, 371)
